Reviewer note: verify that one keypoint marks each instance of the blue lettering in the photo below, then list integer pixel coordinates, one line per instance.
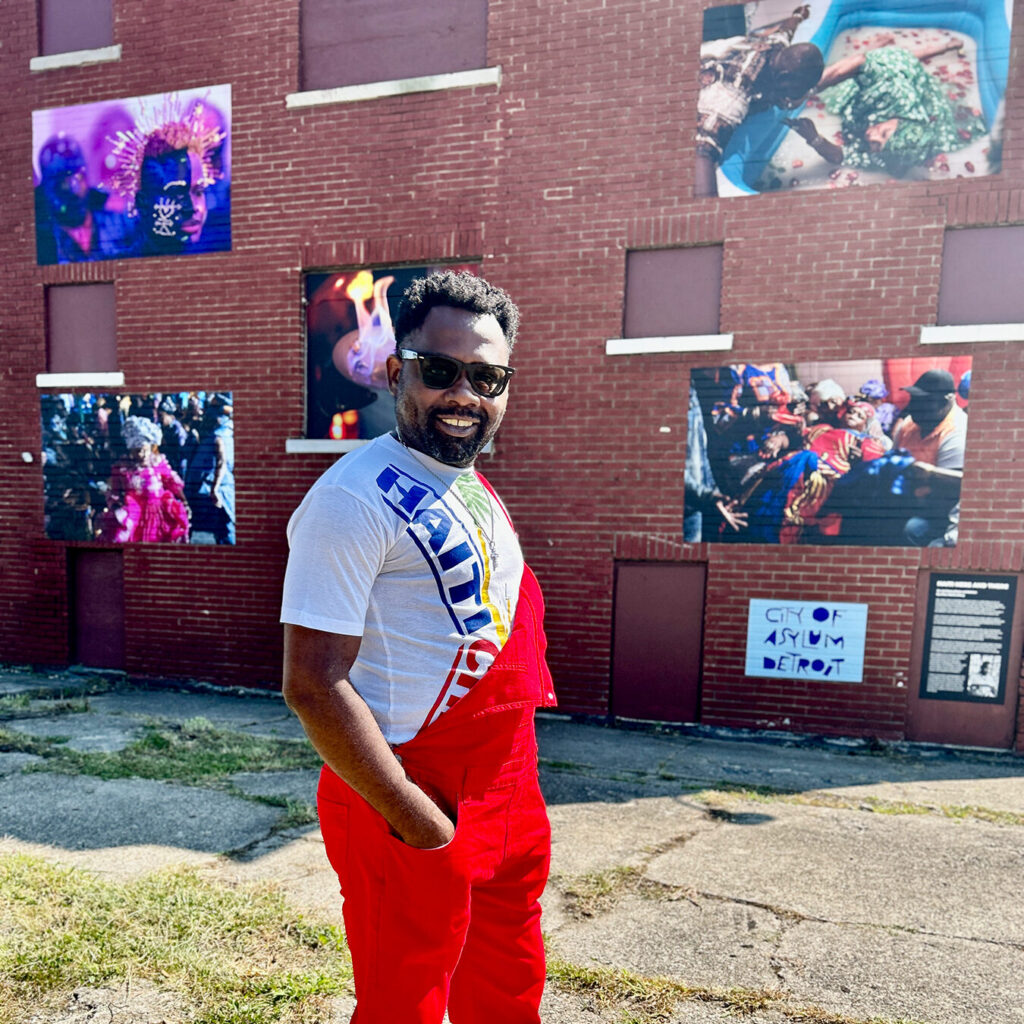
(468, 589)
(837, 641)
(438, 525)
(409, 497)
(455, 556)
(769, 662)
(813, 637)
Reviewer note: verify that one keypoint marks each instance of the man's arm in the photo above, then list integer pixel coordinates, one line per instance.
(345, 734)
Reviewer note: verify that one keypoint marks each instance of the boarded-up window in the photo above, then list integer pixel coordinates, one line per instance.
(981, 276)
(672, 292)
(69, 25)
(81, 329)
(349, 42)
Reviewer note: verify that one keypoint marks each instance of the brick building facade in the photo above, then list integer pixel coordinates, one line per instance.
(569, 151)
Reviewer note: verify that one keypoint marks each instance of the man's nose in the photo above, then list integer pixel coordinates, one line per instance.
(462, 391)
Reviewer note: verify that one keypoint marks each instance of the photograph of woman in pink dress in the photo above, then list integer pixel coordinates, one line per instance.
(145, 500)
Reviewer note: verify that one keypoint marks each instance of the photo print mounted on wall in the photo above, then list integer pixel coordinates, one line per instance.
(349, 337)
(123, 469)
(144, 176)
(837, 93)
(867, 452)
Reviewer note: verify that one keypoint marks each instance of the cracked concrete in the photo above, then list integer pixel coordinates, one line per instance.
(868, 916)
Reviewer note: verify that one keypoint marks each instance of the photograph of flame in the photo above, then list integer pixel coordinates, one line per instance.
(349, 336)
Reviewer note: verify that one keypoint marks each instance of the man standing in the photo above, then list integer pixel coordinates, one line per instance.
(934, 432)
(414, 657)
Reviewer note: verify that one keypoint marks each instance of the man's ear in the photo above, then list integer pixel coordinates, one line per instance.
(394, 368)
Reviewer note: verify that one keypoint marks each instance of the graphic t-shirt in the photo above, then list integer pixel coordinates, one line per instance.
(420, 560)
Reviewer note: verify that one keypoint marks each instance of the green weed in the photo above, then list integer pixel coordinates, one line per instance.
(234, 955)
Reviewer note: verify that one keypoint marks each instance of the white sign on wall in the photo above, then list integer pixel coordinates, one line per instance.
(806, 640)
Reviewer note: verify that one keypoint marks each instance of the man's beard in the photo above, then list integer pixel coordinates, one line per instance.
(453, 451)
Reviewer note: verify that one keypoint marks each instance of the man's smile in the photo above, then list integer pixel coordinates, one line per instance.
(457, 424)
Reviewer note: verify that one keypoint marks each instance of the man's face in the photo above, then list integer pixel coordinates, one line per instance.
(172, 199)
(454, 424)
(929, 410)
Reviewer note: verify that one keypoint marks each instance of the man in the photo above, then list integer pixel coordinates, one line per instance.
(744, 75)
(72, 222)
(210, 474)
(414, 657)
(174, 437)
(934, 432)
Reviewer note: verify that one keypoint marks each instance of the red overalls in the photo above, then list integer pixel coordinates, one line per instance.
(459, 926)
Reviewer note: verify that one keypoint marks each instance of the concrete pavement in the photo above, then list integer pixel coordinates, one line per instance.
(694, 875)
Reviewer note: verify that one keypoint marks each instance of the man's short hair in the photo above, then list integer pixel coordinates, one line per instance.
(798, 68)
(460, 290)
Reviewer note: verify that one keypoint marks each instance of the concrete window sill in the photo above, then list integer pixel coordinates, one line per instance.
(395, 87)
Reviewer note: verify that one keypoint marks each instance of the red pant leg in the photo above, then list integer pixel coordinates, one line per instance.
(406, 911)
(500, 976)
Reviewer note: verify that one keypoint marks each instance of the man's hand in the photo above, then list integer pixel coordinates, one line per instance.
(728, 510)
(803, 126)
(433, 830)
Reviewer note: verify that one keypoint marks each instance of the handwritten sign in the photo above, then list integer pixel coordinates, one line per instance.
(806, 640)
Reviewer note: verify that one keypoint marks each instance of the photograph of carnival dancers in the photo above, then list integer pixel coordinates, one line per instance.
(348, 339)
(867, 452)
(835, 93)
(146, 176)
(124, 469)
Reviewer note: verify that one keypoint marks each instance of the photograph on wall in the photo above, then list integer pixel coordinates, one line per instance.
(349, 337)
(867, 452)
(155, 468)
(838, 93)
(144, 176)
(967, 637)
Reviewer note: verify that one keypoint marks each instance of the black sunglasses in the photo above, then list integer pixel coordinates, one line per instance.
(439, 372)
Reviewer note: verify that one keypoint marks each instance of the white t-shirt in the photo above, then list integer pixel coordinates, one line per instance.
(417, 558)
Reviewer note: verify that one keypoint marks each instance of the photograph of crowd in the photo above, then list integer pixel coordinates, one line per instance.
(837, 93)
(145, 176)
(867, 452)
(348, 338)
(123, 469)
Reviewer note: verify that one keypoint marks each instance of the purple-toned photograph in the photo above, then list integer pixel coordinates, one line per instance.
(144, 176)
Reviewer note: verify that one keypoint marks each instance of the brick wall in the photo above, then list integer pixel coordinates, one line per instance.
(584, 151)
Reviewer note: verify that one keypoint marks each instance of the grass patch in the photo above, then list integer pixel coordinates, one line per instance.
(14, 703)
(193, 753)
(18, 743)
(596, 893)
(234, 955)
(644, 1000)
